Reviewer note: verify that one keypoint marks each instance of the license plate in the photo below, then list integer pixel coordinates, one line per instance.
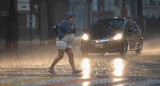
(99, 45)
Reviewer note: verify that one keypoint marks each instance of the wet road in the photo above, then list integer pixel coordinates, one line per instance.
(29, 67)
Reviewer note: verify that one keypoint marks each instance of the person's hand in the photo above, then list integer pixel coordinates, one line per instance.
(72, 27)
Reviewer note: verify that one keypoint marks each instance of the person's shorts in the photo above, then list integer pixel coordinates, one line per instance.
(61, 45)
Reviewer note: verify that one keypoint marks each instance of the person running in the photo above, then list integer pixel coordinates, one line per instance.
(66, 31)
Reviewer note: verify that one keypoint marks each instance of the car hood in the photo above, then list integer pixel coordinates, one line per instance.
(103, 35)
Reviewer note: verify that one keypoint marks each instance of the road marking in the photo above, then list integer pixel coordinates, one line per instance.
(144, 83)
(13, 80)
(108, 75)
(48, 81)
(77, 81)
(155, 84)
(91, 83)
(123, 82)
(26, 81)
(71, 82)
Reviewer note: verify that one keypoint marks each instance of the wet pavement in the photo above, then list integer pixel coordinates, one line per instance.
(29, 67)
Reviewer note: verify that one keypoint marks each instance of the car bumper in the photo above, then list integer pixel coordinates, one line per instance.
(101, 45)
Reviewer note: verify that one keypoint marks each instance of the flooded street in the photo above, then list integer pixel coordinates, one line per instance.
(31, 66)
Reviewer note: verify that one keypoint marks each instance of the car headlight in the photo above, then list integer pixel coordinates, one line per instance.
(117, 37)
(85, 37)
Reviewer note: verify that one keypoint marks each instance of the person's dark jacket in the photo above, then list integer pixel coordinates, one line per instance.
(65, 27)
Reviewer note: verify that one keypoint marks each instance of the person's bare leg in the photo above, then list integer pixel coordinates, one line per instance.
(71, 60)
(59, 57)
(70, 55)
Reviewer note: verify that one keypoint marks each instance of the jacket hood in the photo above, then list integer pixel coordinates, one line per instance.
(69, 14)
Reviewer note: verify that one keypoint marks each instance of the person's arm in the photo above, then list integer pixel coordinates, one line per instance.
(69, 28)
(74, 30)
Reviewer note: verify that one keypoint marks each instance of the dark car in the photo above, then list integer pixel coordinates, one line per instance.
(112, 35)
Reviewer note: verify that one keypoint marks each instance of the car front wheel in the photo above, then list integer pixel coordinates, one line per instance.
(140, 47)
(124, 48)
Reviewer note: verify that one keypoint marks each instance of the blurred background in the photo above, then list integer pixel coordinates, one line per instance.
(31, 21)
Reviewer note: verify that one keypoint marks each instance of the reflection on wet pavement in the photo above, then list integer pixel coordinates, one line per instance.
(86, 70)
(117, 80)
(118, 64)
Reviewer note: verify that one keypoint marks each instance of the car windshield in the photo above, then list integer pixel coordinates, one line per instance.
(103, 29)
